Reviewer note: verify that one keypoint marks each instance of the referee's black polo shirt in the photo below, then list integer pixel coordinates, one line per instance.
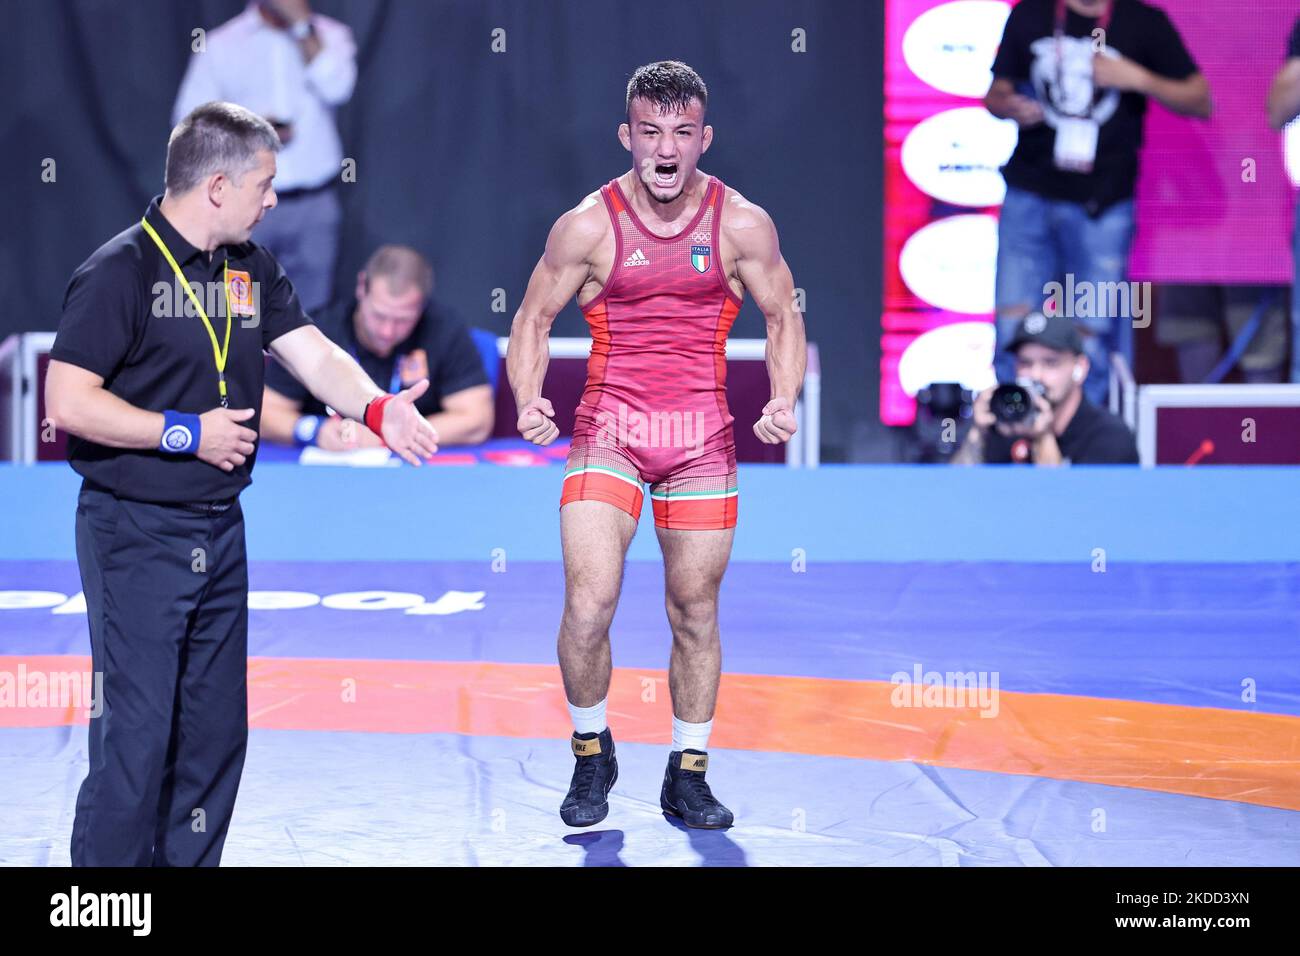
(122, 322)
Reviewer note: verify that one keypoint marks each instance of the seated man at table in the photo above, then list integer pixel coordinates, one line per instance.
(395, 334)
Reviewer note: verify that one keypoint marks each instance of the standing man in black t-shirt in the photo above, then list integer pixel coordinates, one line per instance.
(1076, 76)
(392, 329)
(1064, 428)
(1283, 107)
(156, 373)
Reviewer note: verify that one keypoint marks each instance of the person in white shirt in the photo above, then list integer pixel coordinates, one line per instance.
(294, 67)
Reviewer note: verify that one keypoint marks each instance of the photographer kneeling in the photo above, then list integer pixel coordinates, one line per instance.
(1044, 419)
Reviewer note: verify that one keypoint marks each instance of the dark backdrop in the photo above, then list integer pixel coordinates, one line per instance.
(470, 155)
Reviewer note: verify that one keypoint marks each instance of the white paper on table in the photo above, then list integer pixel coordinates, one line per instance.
(356, 458)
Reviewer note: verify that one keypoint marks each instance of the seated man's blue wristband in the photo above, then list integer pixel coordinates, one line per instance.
(306, 430)
(180, 433)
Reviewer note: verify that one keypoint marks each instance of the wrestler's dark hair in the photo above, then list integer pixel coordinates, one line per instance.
(669, 84)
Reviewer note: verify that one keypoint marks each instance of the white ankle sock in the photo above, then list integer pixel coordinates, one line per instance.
(688, 736)
(588, 720)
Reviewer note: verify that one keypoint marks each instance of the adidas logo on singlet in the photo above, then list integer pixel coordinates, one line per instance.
(637, 259)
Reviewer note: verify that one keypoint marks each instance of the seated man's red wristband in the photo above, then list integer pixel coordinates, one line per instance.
(374, 415)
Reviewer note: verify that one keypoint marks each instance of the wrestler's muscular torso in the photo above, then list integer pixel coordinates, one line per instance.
(579, 260)
(593, 229)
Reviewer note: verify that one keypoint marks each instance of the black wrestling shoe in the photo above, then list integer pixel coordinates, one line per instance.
(587, 802)
(686, 795)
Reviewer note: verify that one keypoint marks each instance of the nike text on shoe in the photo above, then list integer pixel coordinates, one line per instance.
(594, 773)
(685, 793)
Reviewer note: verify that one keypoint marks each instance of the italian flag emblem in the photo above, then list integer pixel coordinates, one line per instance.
(700, 258)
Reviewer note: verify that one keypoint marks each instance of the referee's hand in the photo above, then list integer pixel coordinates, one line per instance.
(405, 430)
(224, 442)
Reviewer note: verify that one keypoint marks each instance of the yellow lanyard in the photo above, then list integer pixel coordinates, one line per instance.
(219, 355)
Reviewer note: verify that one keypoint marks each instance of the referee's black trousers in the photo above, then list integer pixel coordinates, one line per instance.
(167, 601)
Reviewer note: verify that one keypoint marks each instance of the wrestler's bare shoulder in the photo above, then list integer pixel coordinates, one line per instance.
(740, 217)
(580, 231)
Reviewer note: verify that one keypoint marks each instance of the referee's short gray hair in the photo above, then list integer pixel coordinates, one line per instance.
(216, 138)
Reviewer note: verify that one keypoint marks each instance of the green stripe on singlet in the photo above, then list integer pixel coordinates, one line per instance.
(612, 471)
(695, 494)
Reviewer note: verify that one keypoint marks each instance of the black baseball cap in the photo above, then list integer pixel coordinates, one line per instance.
(1053, 331)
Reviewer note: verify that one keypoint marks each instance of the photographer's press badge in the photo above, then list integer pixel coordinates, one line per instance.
(1076, 144)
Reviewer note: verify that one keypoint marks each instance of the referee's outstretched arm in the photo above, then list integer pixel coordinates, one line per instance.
(334, 377)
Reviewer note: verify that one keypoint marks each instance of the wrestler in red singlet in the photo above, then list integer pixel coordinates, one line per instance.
(655, 406)
(658, 259)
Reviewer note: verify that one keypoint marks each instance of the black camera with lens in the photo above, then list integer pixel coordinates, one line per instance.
(1014, 403)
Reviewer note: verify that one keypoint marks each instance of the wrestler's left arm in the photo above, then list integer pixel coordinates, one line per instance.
(762, 270)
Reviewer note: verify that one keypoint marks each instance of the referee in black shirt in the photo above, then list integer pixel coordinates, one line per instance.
(156, 373)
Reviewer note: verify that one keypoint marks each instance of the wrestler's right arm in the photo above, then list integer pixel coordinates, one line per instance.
(564, 268)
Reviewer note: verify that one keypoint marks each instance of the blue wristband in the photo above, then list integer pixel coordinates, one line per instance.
(306, 429)
(180, 433)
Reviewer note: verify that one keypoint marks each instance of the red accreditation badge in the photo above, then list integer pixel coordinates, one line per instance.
(240, 287)
(413, 367)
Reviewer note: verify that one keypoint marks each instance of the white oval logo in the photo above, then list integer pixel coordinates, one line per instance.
(955, 156)
(952, 46)
(177, 438)
(958, 352)
(950, 263)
